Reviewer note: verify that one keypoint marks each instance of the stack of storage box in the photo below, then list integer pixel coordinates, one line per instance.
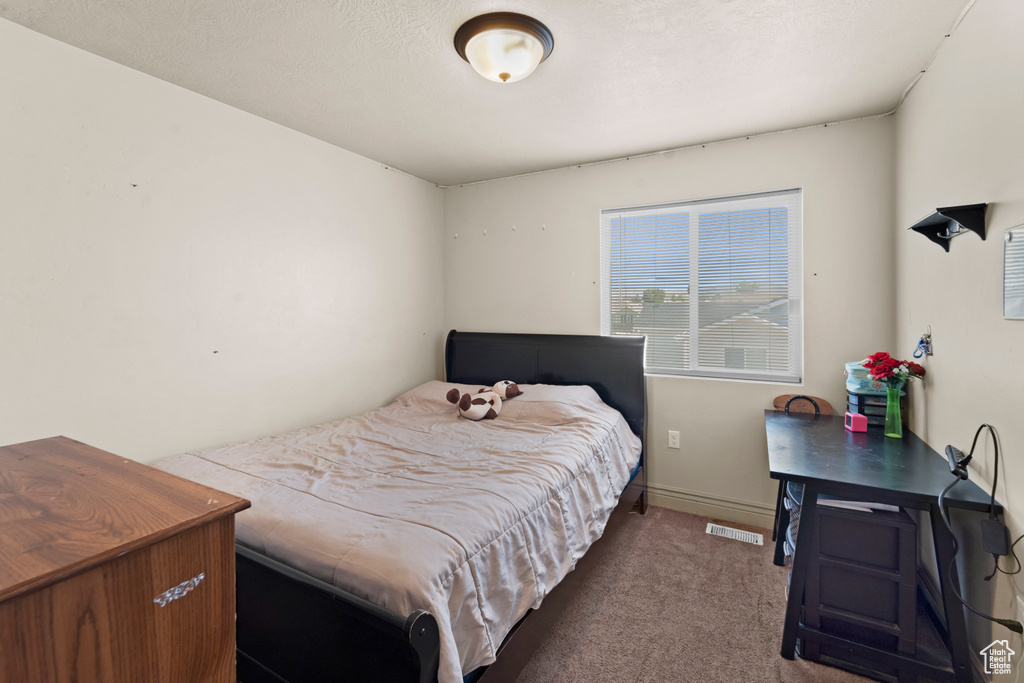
(867, 397)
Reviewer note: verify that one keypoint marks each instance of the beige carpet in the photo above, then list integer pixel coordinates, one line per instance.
(676, 604)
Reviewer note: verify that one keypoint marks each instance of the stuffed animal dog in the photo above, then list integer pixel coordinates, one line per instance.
(485, 404)
(506, 389)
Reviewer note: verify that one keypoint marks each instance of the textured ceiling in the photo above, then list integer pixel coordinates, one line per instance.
(381, 78)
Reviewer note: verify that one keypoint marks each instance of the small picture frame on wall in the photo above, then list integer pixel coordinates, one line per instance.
(1013, 273)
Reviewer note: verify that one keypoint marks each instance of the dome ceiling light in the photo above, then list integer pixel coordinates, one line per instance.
(504, 47)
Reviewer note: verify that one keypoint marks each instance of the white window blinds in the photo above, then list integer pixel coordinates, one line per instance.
(714, 284)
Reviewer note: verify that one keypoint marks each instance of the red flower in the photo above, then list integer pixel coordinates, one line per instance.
(880, 373)
(893, 372)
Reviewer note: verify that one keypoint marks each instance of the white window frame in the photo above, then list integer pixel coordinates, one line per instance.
(793, 198)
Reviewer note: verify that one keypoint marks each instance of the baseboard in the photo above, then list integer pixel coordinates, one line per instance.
(729, 509)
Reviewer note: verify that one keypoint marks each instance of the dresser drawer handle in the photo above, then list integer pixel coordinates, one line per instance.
(179, 591)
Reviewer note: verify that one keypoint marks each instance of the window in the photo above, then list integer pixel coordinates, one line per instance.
(713, 283)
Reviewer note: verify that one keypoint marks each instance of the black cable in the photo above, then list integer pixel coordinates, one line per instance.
(995, 481)
(992, 501)
(995, 476)
(1014, 626)
(995, 568)
(942, 509)
(1015, 559)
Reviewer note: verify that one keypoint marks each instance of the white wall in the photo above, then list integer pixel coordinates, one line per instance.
(175, 273)
(543, 276)
(960, 140)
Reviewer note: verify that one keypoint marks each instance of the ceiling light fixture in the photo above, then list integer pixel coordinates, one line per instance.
(504, 47)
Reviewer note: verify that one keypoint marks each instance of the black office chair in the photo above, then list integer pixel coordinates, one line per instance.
(799, 403)
(796, 403)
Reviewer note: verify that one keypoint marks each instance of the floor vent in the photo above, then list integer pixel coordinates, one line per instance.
(735, 534)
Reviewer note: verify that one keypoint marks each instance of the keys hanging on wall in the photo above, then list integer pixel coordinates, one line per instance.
(924, 344)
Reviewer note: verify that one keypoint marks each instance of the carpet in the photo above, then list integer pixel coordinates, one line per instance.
(674, 604)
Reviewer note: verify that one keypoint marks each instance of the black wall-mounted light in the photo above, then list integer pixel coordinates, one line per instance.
(950, 221)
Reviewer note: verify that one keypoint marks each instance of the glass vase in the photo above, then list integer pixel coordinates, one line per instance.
(893, 419)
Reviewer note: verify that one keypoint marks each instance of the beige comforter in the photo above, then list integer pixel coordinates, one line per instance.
(413, 507)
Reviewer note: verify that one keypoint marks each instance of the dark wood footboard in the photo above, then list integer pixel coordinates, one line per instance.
(292, 627)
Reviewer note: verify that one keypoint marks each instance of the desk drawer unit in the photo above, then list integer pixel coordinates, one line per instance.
(862, 579)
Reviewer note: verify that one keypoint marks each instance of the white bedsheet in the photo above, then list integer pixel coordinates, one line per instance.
(413, 507)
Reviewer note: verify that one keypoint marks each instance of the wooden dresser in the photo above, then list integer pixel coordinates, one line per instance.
(111, 570)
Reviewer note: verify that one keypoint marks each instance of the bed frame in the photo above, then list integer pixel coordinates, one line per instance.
(293, 628)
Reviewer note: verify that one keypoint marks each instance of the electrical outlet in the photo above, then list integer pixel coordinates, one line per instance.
(1020, 609)
(673, 439)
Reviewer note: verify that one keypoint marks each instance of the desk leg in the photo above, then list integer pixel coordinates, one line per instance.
(778, 508)
(798, 575)
(956, 626)
(781, 524)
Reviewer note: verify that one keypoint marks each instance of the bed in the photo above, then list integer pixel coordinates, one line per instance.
(412, 545)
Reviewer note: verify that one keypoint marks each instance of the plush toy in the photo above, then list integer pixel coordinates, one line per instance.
(506, 389)
(485, 404)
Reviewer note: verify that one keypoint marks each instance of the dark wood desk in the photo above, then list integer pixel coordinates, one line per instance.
(821, 454)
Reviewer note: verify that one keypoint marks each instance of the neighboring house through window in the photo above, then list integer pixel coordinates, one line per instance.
(751, 359)
(715, 284)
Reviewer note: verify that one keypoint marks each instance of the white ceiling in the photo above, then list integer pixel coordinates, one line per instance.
(381, 78)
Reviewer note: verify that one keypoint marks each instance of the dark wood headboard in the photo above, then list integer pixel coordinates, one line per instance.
(613, 366)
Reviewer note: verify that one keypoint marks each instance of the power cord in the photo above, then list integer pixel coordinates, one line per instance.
(1015, 559)
(991, 510)
(994, 534)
